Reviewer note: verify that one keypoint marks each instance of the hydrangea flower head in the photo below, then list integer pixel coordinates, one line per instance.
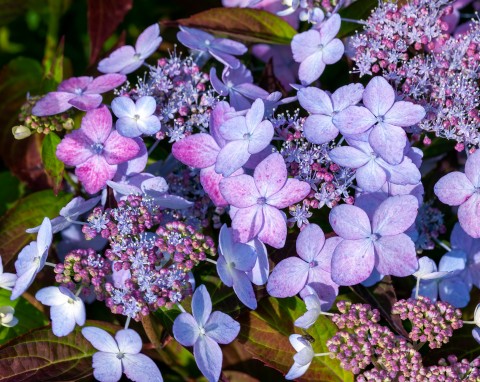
(31, 259)
(136, 118)
(377, 243)
(204, 330)
(96, 150)
(222, 49)
(82, 93)
(127, 59)
(120, 355)
(462, 189)
(315, 49)
(66, 309)
(258, 199)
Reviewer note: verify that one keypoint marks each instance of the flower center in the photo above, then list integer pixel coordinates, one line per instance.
(136, 56)
(71, 301)
(247, 136)
(320, 46)
(262, 200)
(78, 91)
(97, 148)
(136, 117)
(374, 236)
(313, 264)
(202, 331)
(381, 118)
(207, 42)
(120, 355)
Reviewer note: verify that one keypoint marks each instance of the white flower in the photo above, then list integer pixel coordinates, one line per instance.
(7, 280)
(302, 359)
(136, 118)
(313, 304)
(6, 316)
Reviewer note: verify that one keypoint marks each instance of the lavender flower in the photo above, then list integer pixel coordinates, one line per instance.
(136, 118)
(7, 280)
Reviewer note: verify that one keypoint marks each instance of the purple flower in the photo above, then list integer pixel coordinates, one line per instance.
(291, 275)
(315, 49)
(7, 280)
(259, 198)
(387, 138)
(120, 355)
(459, 189)
(284, 66)
(31, 259)
(238, 86)
(379, 242)
(372, 172)
(314, 309)
(66, 309)
(234, 261)
(127, 59)
(322, 106)
(204, 330)
(136, 118)
(222, 49)
(96, 150)
(245, 136)
(303, 358)
(82, 93)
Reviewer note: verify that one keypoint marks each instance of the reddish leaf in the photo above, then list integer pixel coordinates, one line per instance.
(104, 16)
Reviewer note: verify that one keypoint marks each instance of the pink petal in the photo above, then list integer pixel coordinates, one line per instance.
(270, 175)
(53, 103)
(319, 129)
(94, 173)
(395, 215)
(388, 141)
(148, 41)
(315, 101)
(354, 120)
(454, 188)
(105, 83)
(232, 157)
(310, 242)
(74, 149)
(119, 149)
(210, 181)
(274, 229)
(472, 168)
(371, 177)
(352, 261)
(239, 191)
(86, 102)
(197, 150)
(247, 223)
(293, 191)
(333, 52)
(219, 114)
(378, 96)
(404, 114)
(396, 255)
(350, 222)
(311, 68)
(288, 278)
(97, 124)
(469, 216)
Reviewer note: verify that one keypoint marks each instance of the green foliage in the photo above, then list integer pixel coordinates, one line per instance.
(9, 192)
(53, 166)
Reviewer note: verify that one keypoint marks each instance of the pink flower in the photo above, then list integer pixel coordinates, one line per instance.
(257, 201)
(96, 150)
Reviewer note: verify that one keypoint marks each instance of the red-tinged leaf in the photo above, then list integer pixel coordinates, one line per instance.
(246, 24)
(41, 356)
(265, 335)
(26, 213)
(104, 16)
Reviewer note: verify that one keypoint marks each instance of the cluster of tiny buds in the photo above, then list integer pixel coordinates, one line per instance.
(43, 125)
(355, 315)
(432, 322)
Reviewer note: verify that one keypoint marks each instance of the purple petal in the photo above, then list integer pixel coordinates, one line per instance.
(270, 175)
(261, 137)
(237, 76)
(247, 223)
(315, 101)
(288, 277)
(86, 102)
(238, 101)
(319, 129)
(255, 115)
(459, 239)
(53, 103)
(229, 46)
(354, 120)
(74, 149)
(242, 255)
(106, 367)
(232, 157)
(293, 191)
(193, 38)
(239, 191)
(225, 58)
(274, 229)
(345, 96)
(100, 339)
(234, 128)
(197, 150)
(128, 341)
(259, 273)
(208, 356)
(74, 84)
(105, 83)
(388, 141)
(148, 41)
(305, 44)
(119, 149)
(350, 222)
(94, 173)
(396, 255)
(117, 60)
(97, 124)
(307, 319)
(469, 215)
(378, 96)
(201, 305)
(310, 242)
(185, 329)
(333, 52)
(128, 127)
(218, 85)
(123, 107)
(352, 261)
(222, 328)
(251, 91)
(452, 261)
(454, 189)
(472, 168)
(371, 177)
(347, 156)
(139, 368)
(404, 114)
(219, 114)
(311, 68)
(63, 318)
(403, 173)
(224, 271)
(454, 291)
(321, 282)
(330, 28)
(395, 215)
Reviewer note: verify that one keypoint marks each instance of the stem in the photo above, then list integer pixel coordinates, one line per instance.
(182, 309)
(444, 246)
(154, 146)
(78, 291)
(127, 322)
(417, 288)
(211, 261)
(327, 313)
(322, 354)
(50, 264)
(70, 220)
(354, 21)
(470, 322)
(70, 181)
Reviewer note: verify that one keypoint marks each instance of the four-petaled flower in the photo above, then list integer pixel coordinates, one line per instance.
(204, 330)
(96, 150)
(257, 201)
(136, 118)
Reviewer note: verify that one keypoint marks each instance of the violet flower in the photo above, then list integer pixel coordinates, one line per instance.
(82, 93)
(136, 118)
(204, 330)
(315, 49)
(312, 268)
(119, 355)
(222, 49)
(127, 59)
(259, 198)
(379, 242)
(96, 150)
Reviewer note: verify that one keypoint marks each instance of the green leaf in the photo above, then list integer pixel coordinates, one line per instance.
(359, 10)
(439, 146)
(41, 356)
(246, 24)
(26, 213)
(28, 316)
(266, 330)
(9, 192)
(53, 68)
(52, 164)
